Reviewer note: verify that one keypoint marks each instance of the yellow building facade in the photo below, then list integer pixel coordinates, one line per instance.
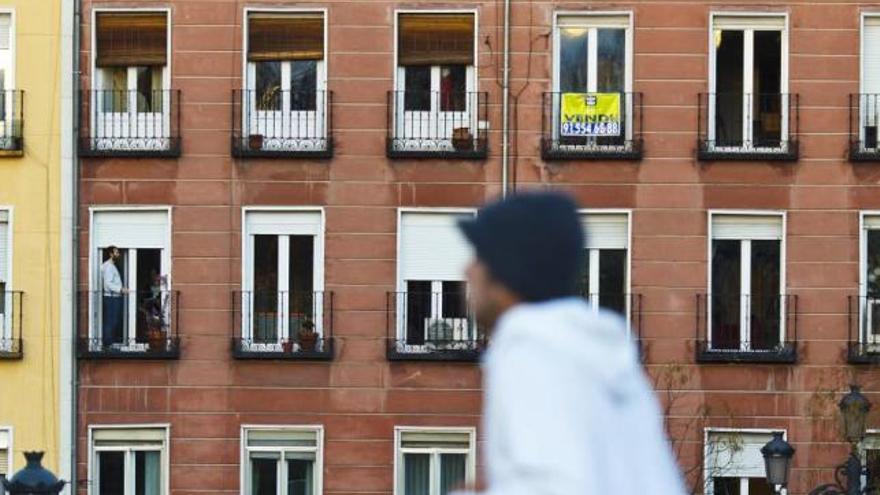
(31, 83)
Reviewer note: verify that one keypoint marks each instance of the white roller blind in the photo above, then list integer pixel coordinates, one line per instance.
(594, 20)
(871, 221)
(118, 436)
(871, 56)
(737, 454)
(4, 246)
(739, 22)
(5, 31)
(606, 231)
(432, 247)
(282, 438)
(4, 460)
(421, 439)
(757, 227)
(131, 229)
(283, 223)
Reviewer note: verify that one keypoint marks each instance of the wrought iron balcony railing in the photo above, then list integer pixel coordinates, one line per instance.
(11, 311)
(628, 306)
(864, 119)
(604, 139)
(748, 127)
(129, 123)
(746, 329)
(130, 325)
(864, 329)
(282, 124)
(282, 325)
(431, 326)
(437, 124)
(11, 122)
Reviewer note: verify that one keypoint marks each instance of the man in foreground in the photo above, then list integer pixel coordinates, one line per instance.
(568, 410)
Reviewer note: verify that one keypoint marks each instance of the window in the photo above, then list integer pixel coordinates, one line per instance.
(282, 460)
(748, 104)
(433, 461)
(435, 100)
(285, 98)
(130, 295)
(746, 277)
(5, 456)
(734, 464)
(283, 277)
(868, 109)
(605, 280)
(6, 296)
(870, 286)
(131, 104)
(432, 302)
(129, 461)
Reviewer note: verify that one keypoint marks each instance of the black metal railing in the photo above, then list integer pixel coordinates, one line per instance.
(129, 123)
(738, 126)
(282, 325)
(11, 122)
(620, 140)
(435, 124)
(11, 313)
(744, 328)
(282, 124)
(864, 120)
(131, 325)
(863, 329)
(628, 306)
(431, 326)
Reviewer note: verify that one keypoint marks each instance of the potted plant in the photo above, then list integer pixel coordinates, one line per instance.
(287, 346)
(255, 141)
(308, 338)
(462, 139)
(156, 338)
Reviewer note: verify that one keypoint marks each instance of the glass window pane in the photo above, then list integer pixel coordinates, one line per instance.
(301, 277)
(418, 310)
(611, 60)
(729, 88)
(759, 486)
(764, 299)
(417, 88)
(264, 476)
(725, 486)
(454, 299)
(872, 277)
(612, 280)
(115, 91)
(726, 298)
(268, 86)
(585, 275)
(111, 473)
(767, 82)
(300, 477)
(453, 88)
(303, 85)
(416, 474)
(149, 94)
(265, 294)
(573, 60)
(872, 462)
(147, 476)
(452, 472)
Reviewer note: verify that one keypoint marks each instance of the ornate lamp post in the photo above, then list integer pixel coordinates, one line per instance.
(854, 408)
(34, 479)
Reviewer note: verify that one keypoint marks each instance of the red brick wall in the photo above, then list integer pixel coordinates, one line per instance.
(359, 396)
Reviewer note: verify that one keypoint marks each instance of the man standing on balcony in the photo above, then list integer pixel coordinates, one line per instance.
(112, 301)
(568, 410)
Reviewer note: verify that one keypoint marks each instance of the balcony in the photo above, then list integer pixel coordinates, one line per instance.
(11, 346)
(434, 124)
(135, 325)
(283, 124)
(747, 127)
(628, 306)
(281, 325)
(864, 330)
(864, 118)
(135, 124)
(420, 327)
(590, 141)
(11, 123)
(746, 329)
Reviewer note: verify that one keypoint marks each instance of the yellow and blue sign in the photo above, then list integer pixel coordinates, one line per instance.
(590, 114)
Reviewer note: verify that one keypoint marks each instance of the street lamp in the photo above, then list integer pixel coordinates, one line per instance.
(854, 408)
(33, 479)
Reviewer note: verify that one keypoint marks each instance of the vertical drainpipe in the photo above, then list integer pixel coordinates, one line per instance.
(505, 104)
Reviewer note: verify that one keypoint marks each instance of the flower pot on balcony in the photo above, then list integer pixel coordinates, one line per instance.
(156, 339)
(255, 141)
(287, 346)
(308, 338)
(462, 139)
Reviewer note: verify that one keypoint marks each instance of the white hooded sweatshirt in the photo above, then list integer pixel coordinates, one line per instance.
(568, 410)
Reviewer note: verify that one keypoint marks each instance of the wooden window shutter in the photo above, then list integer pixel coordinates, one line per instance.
(435, 39)
(274, 36)
(131, 38)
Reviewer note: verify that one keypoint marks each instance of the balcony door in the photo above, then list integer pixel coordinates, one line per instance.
(870, 287)
(748, 100)
(605, 280)
(6, 299)
(869, 99)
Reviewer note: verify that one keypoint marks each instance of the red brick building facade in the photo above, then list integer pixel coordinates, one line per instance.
(280, 179)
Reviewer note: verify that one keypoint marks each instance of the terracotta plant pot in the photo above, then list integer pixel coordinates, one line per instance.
(307, 340)
(156, 340)
(287, 346)
(462, 139)
(255, 141)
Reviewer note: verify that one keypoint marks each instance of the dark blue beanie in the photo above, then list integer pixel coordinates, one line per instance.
(532, 242)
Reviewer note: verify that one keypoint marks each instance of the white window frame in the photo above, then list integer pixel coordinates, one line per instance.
(865, 306)
(318, 450)
(594, 290)
(399, 451)
(863, 105)
(95, 262)
(470, 115)
(164, 454)
(247, 279)
(745, 277)
(8, 430)
(748, 80)
(289, 123)
(6, 330)
(120, 123)
(593, 21)
(708, 469)
(10, 73)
